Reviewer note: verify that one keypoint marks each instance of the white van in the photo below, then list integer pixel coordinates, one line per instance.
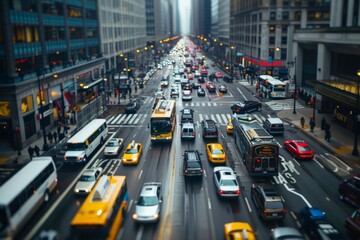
(274, 126)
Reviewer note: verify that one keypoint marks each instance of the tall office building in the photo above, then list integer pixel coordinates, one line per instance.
(327, 62)
(201, 24)
(259, 29)
(50, 62)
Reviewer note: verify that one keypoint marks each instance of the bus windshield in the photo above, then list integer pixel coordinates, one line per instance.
(75, 146)
(160, 126)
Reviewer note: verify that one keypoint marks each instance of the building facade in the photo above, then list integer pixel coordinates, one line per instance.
(51, 63)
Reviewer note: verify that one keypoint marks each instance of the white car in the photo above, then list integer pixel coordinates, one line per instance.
(148, 206)
(164, 82)
(225, 182)
(114, 147)
(186, 96)
(159, 92)
(87, 180)
(177, 79)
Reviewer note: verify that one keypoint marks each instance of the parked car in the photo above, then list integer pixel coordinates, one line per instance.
(352, 224)
(114, 147)
(192, 166)
(238, 231)
(299, 149)
(201, 92)
(246, 107)
(226, 183)
(268, 203)
(87, 180)
(148, 205)
(132, 107)
(349, 190)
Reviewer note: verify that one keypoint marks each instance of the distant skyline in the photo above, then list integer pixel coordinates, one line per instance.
(185, 15)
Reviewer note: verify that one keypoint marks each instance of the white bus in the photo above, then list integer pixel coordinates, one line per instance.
(80, 146)
(273, 88)
(23, 193)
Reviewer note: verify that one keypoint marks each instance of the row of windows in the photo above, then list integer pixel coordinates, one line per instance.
(97, 133)
(30, 189)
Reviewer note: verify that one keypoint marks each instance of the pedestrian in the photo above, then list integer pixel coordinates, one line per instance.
(327, 134)
(37, 150)
(55, 137)
(31, 152)
(302, 121)
(312, 125)
(58, 129)
(50, 137)
(323, 123)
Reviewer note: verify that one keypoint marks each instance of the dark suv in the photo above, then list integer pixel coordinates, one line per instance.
(132, 107)
(209, 129)
(192, 165)
(349, 190)
(187, 115)
(268, 202)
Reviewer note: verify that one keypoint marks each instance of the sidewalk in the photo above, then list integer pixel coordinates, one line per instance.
(11, 156)
(342, 140)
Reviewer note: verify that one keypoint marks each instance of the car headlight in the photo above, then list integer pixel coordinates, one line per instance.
(77, 190)
(156, 216)
(135, 216)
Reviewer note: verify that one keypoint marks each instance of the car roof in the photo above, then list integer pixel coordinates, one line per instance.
(192, 155)
(187, 91)
(274, 120)
(90, 172)
(225, 172)
(215, 145)
(188, 125)
(149, 189)
(300, 142)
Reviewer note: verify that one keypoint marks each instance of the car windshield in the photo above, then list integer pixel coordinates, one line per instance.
(241, 104)
(160, 126)
(131, 150)
(75, 146)
(112, 144)
(228, 182)
(217, 151)
(148, 201)
(304, 148)
(86, 178)
(193, 164)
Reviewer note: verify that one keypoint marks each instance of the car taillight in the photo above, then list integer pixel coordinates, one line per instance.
(201, 170)
(237, 192)
(186, 171)
(284, 211)
(221, 192)
(193, 134)
(265, 213)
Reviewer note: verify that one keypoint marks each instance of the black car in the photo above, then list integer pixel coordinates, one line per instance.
(201, 92)
(212, 88)
(132, 107)
(246, 107)
(228, 79)
(187, 87)
(209, 129)
(187, 115)
(201, 79)
(349, 190)
(268, 203)
(195, 85)
(316, 225)
(192, 165)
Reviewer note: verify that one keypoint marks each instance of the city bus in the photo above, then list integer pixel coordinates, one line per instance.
(273, 88)
(259, 149)
(23, 189)
(163, 121)
(103, 211)
(80, 146)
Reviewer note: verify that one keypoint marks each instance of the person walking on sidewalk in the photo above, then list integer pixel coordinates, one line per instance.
(55, 137)
(50, 137)
(312, 125)
(31, 152)
(302, 122)
(37, 150)
(323, 123)
(327, 132)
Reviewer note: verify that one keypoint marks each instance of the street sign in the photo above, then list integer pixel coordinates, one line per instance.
(239, 54)
(270, 59)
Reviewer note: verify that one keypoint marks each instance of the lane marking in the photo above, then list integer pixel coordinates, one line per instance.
(209, 203)
(130, 204)
(140, 174)
(241, 93)
(292, 190)
(318, 163)
(248, 205)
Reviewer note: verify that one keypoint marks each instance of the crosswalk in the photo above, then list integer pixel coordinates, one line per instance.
(284, 104)
(139, 119)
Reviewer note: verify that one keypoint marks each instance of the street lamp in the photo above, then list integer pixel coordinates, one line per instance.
(42, 120)
(293, 64)
(355, 151)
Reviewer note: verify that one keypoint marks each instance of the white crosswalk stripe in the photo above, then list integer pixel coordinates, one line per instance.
(127, 119)
(286, 104)
(218, 118)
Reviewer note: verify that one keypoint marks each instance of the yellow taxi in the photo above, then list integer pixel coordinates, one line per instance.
(215, 153)
(132, 153)
(229, 127)
(238, 231)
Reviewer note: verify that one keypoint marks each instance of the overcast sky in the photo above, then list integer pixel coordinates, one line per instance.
(185, 13)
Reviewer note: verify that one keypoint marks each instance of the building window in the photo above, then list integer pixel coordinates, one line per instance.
(23, 5)
(44, 97)
(297, 16)
(272, 15)
(75, 12)
(285, 15)
(272, 40)
(49, 7)
(29, 124)
(76, 33)
(283, 40)
(318, 15)
(273, 3)
(23, 34)
(271, 28)
(27, 104)
(286, 2)
(4, 109)
(283, 53)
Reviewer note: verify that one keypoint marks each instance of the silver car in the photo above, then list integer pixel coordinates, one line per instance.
(114, 147)
(87, 180)
(148, 206)
(286, 233)
(225, 182)
(186, 95)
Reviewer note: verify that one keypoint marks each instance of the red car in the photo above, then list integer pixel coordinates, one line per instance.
(352, 224)
(218, 75)
(207, 85)
(299, 149)
(190, 76)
